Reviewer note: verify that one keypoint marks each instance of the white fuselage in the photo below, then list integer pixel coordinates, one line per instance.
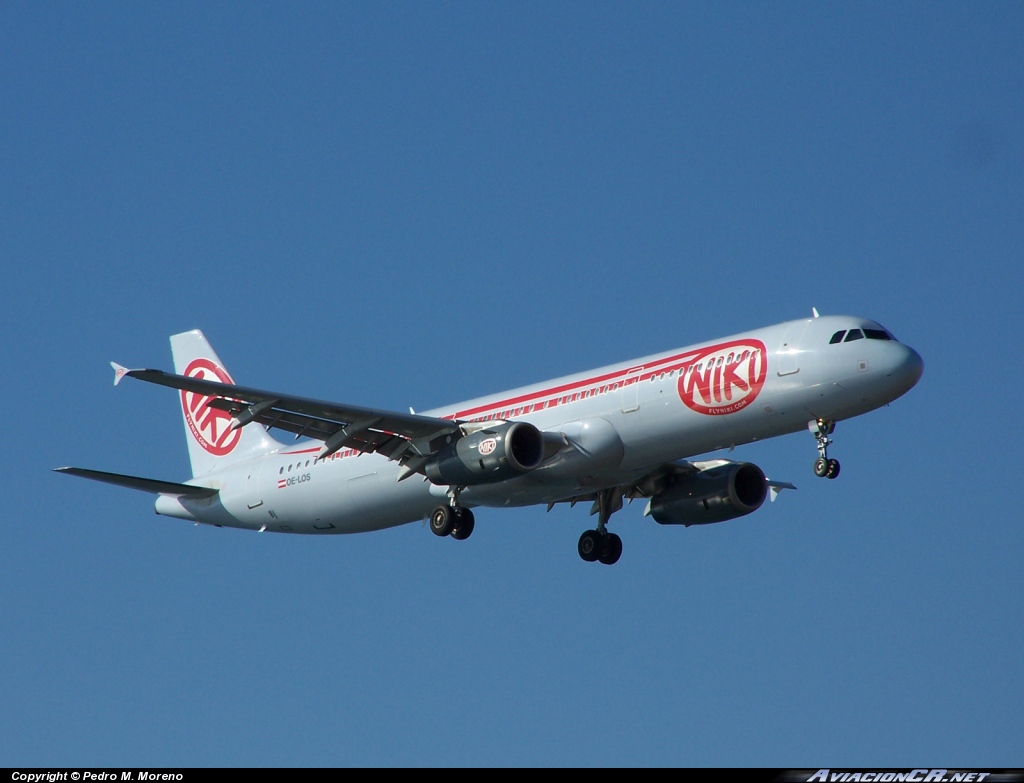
(613, 425)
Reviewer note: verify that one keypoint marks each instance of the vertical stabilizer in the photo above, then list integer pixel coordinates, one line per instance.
(212, 444)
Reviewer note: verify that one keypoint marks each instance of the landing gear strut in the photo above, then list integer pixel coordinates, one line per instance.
(823, 466)
(600, 545)
(452, 519)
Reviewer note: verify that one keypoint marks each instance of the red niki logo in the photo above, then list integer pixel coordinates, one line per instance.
(723, 378)
(209, 426)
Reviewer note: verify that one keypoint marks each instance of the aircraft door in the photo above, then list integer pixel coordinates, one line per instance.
(253, 495)
(787, 357)
(631, 390)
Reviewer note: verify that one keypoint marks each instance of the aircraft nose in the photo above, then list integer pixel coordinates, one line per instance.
(908, 369)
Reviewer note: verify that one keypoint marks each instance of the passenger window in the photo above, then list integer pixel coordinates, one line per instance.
(837, 337)
(855, 334)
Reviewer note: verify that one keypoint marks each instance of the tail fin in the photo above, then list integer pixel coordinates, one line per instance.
(212, 443)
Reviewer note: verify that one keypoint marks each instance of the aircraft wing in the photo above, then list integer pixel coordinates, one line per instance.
(645, 486)
(656, 481)
(406, 437)
(146, 485)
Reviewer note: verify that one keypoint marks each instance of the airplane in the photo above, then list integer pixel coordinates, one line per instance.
(621, 432)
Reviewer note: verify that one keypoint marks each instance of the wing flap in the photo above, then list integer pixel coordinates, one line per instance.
(155, 486)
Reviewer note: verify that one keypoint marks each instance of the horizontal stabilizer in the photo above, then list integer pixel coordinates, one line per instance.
(146, 485)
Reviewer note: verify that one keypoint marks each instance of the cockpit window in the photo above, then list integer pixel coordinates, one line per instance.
(837, 337)
(876, 334)
(855, 334)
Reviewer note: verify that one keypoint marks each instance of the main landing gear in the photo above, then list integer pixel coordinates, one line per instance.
(600, 545)
(452, 519)
(823, 466)
(596, 546)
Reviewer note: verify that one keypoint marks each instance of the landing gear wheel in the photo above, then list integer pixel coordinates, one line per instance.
(590, 545)
(612, 550)
(821, 467)
(464, 525)
(833, 469)
(442, 520)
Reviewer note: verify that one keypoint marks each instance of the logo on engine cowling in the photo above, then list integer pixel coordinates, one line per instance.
(209, 426)
(487, 446)
(723, 378)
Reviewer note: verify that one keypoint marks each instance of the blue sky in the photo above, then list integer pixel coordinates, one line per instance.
(412, 204)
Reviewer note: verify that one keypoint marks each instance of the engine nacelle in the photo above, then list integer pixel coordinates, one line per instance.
(713, 495)
(483, 457)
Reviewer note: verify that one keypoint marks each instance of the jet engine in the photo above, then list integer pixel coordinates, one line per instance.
(713, 495)
(494, 454)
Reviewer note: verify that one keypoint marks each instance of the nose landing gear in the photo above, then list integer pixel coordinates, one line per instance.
(823, 466)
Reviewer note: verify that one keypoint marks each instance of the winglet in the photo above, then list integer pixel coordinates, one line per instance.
(119, 372)
(815, 311)
(775, 487)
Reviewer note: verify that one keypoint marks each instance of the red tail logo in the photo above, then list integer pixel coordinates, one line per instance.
(209, 426)
(724, 378)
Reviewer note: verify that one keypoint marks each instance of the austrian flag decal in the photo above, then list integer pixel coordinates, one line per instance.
(723, 378)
